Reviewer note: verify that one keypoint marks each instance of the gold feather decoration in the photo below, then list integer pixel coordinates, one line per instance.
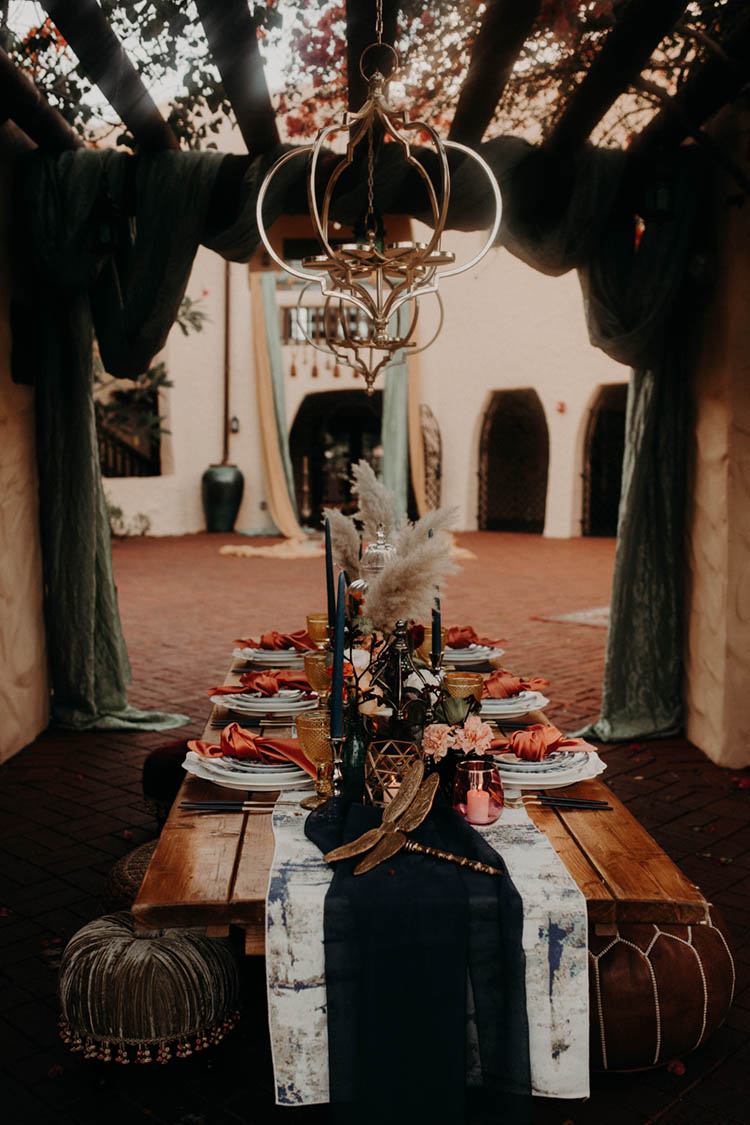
(405, 812)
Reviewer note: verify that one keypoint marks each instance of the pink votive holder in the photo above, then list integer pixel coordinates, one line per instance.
(478, 791)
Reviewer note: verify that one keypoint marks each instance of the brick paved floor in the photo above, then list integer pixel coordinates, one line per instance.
(71, 805)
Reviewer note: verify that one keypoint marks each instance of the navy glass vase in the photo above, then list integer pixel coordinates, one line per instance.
(221, 491)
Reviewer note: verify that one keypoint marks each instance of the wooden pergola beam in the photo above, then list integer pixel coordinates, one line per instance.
(233, 42)
(360, 32)
(640, 27)
(24, 104)
(504, 29)
(718, 81)
(104, 61)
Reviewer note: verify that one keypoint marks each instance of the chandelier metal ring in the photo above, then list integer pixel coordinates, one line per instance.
(383, 46)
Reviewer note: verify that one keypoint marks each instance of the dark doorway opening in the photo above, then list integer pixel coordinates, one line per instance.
(513, 463)
(603, 453)
(332, 430)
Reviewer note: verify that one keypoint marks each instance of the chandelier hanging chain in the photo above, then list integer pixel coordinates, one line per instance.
(367, 280)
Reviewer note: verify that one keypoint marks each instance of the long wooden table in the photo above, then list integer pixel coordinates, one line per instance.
(211, 871)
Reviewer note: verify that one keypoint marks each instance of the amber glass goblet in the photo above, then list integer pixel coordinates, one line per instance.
(314, 733)
(317, 629)
(424, 652)
(460, 685)
(318, 676)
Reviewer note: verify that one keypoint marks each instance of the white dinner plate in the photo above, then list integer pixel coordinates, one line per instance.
(282, 776)
(196, 767)
(271, 658)
(237, 766)
(263, 705)
(557, 760)
(556, 779)
(474, 654)
(514, 705)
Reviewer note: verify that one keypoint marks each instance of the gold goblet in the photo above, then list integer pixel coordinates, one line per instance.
(317, 629)
(314, 733)
(424, 652)
(460, 685)
(318, 677)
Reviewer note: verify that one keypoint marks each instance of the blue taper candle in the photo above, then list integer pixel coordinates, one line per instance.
(436, 647)
(337, 677)
(329, 579)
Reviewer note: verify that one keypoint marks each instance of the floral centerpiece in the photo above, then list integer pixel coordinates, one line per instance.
(393, 569)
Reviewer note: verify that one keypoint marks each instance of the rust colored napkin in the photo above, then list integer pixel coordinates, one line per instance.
(267, 683)
(461, 636)
(236, 742)
(502, 684)
(273, 640)
(535, 742)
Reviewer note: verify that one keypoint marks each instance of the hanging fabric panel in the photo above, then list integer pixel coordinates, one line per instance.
(394, 428)
(269, 380)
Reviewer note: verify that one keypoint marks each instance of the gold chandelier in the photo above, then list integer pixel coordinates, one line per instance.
(368, 282)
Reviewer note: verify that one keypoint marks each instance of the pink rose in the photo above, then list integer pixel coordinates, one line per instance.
(437, 740)
(475, 737)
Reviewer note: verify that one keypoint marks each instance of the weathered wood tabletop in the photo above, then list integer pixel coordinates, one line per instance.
(211, 871)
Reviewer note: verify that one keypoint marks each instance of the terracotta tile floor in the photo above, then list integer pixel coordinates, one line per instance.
(72, 804)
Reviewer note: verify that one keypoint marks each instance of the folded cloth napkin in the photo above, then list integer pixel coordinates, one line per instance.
(266, 683)
(273, 640)
(461, 636)
(535, 742)
(236, 742)
(502, 684)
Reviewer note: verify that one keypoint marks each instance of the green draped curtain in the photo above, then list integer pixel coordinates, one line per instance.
(394, 426)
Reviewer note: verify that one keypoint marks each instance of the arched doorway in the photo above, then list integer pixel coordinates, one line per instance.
(331, 431)
(603, 452)
(513, 463)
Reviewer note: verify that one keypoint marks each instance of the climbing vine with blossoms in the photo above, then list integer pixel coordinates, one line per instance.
(166, 42)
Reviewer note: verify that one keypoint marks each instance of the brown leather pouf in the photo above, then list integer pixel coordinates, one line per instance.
(657, 991)
(125, 878)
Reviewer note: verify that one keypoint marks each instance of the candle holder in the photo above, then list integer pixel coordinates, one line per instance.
(477, 791)
(386, 765)
(337, 774)
(464, 691)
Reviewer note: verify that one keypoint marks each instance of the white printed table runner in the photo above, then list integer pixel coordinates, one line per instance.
(554, 941)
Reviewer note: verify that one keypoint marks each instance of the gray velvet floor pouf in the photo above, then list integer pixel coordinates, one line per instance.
(125, 997)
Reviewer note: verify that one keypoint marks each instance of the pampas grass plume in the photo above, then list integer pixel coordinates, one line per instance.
(344, 542)
(404, 590)
(375, 501)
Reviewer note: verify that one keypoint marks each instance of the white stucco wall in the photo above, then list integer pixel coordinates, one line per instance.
(194, 410)
(507, 327)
